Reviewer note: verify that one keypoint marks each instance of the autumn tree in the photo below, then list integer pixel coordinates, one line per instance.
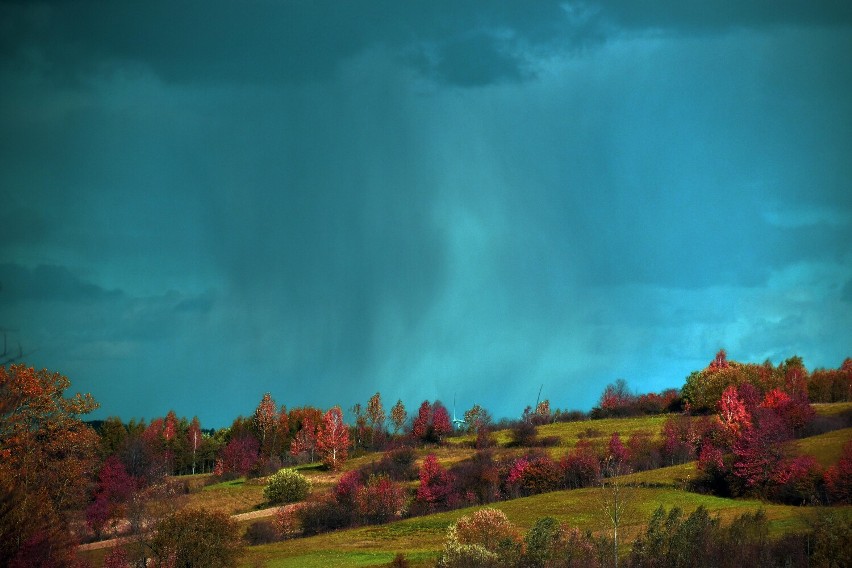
(265, 421)
(115, 486)
(398, 416)
(432, 422)
(333, 439)
(376, 417)
(435, 491)
(194, 439)
(476, 419)
(238, 457)
(48, 456)
(305, 441)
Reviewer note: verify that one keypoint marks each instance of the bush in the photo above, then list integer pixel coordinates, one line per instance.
(286, 486)
(323, 516)
(484, 539)
(380, 500)
(261, 532)
(523, 434)
(195, 537)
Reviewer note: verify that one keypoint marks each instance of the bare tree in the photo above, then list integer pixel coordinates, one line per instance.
(616, 497)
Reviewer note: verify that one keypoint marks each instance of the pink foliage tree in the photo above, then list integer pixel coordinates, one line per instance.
(436, 485)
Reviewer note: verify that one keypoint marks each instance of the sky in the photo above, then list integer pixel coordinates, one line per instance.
(204, 201)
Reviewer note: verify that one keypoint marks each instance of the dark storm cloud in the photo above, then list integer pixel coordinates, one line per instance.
(463, 43)
(323, 200)
(46, 284)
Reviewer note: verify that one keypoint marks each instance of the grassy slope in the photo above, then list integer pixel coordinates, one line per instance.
(421, 538)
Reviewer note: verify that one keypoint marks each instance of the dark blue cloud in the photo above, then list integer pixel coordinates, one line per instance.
(324, 200)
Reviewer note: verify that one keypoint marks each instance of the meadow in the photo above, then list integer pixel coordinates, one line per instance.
(421, 538)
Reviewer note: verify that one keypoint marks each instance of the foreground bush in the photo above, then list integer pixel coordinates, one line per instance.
(195, 537)
(286, 486)
(484, 539)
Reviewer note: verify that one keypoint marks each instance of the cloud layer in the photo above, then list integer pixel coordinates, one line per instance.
(204, 202)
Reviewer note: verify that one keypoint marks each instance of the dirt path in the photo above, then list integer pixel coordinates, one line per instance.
(260, 514)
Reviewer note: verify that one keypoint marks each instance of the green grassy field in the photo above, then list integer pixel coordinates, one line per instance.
(421, 538)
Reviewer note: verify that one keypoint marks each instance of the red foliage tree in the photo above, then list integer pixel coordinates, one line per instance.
(617, 453)
(733, 413)
(580, 468)
(758, 451)
(679, 440)
(435, 491)
(333, 439)
(838, 478)
(531, 475)
(239, 456)
(380, 499)
(797, 481)
(432, 422)
(115, 486)
(441, 423)
(420, 426)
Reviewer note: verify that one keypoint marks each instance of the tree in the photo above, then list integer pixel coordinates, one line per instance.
(476, 419)
(48, 456)
(436, 485)
(376, 416)
(733, 413)
(441, 423)
(196, 537)
(615, 496)
(420, 426)
(115, 486)
(265, 423)
(398, 416)
(304, 423)
(239, 456)
(333, 439)
(194, 439)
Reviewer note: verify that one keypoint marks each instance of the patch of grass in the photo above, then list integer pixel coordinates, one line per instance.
(832, 409)
(826, 448)
(231, 497)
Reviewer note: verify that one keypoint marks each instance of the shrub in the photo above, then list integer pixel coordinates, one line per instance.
(523, 434)
(286, 486)
(531, 475)
(380, 500)
(478, 479)
(581, 468)
(398, 464)
(435, 491)
(322, 516)
(551, 545)
(484, 539)
(261, 532)
(195, 537)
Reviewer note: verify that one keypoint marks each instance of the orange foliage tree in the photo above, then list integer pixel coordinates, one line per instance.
(48, 457)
